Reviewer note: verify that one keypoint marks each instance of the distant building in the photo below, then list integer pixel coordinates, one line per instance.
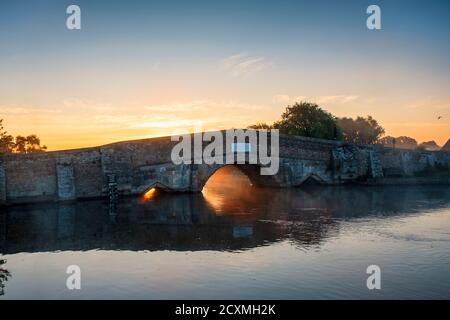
(402, 142)
(429, 146)
(446, 146)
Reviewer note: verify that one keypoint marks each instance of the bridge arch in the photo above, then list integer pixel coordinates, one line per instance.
(155, 185)
(251, 171)
(312, 179)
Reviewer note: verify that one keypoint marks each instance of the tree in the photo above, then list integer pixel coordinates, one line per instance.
(261, 125)
(360, 130)
(402, 142)
(20, 146)
(308, 120)
(29, 144)
(6, 140)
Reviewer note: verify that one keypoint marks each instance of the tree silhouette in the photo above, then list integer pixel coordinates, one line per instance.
(28, 144)
(361, 130)
(261, 125)
(309, 120)
(6, 140)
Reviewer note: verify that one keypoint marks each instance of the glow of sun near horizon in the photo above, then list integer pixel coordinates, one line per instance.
(140, 69)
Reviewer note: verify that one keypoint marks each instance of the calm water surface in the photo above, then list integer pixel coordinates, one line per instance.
(233, 241)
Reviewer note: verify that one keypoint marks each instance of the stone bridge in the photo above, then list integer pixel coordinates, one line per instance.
(133, 167)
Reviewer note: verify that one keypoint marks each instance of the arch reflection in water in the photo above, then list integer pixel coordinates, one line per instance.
(230, 191)
(212, 221)
(149, 194)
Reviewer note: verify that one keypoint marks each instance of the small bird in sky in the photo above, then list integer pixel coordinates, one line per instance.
(440, 117)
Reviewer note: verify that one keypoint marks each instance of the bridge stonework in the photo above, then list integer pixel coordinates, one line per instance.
(136, 166)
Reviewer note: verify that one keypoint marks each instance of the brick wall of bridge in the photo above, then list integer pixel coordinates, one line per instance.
(139, 165)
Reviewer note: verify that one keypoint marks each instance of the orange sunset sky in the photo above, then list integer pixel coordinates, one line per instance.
(145, 70)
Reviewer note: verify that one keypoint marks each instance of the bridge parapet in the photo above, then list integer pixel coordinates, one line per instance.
(141, 164)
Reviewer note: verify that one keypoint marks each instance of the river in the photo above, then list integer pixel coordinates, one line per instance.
(233, 241)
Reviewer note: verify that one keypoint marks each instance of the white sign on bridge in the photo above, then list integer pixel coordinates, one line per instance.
(241, 147)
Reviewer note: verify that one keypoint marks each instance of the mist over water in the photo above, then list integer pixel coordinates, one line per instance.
(233, 241)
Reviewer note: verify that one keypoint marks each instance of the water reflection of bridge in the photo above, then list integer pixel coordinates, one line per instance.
(196, 222)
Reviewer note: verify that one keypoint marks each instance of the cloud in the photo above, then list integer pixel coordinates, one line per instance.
(414, 124)
(86, 105)
(336, 99)
(243, 64)
(286, 99)
(182, 123)
(178, 107)
(211, 114)
(209, 106)
(370, 100)
(113, 120)
(429, 103)
(26, 110)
